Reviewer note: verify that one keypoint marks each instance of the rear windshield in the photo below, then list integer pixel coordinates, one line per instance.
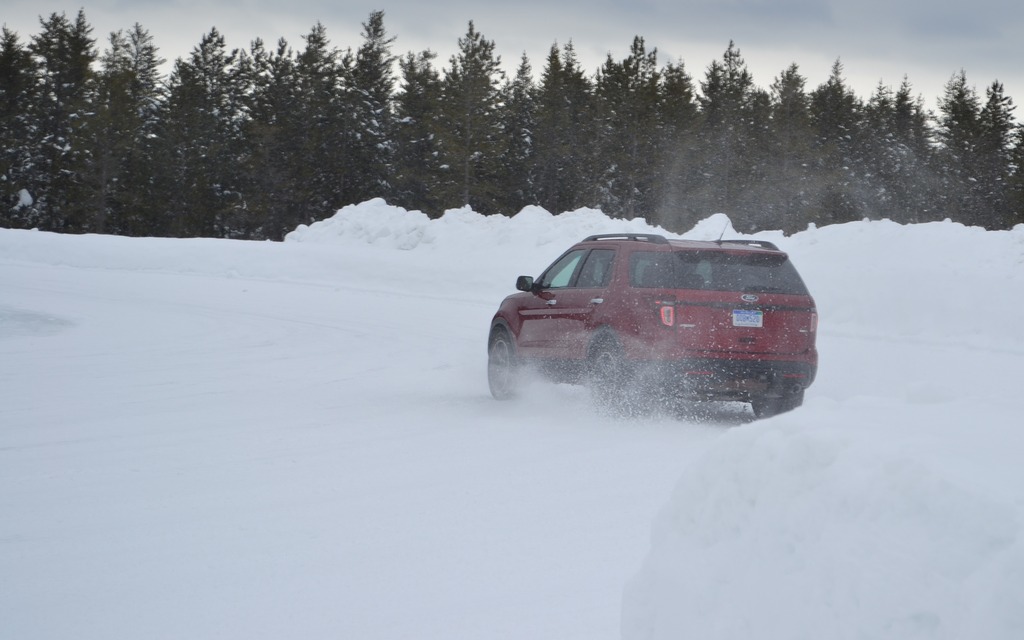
(715, 271)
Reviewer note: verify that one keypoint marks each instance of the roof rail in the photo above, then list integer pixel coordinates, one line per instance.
(646, 237)
(763, 244)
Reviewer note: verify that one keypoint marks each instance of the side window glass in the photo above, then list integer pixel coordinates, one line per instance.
(559, 274)
(650, 269)
(597, 269)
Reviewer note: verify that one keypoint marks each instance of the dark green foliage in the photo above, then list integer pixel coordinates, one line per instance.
(18, 75)
(627, 108)
(251, 144)
(202, 144)
(976, 158)
(471, 142)
(276, 161)
(323, 78)
(121, 136)
(62, 99)
(733, 142)
(790, 190)
(519, 123)
(370, 112)
(417, 160)
(679, 171)
(563, 144)
(836, 121)
(1015, 184)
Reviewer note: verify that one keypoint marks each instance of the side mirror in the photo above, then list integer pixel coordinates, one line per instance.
(524, 283)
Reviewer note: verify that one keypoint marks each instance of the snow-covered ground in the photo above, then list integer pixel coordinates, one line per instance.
(217, 439)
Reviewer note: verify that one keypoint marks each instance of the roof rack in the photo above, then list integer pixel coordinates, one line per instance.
(763, 244)
(645, 237)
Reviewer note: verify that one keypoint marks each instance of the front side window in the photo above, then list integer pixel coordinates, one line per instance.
(560, 274)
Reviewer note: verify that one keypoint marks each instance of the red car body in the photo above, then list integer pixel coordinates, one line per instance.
(728, 320)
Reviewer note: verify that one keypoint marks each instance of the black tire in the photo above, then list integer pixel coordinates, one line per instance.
(768, 406)
(502, 366)
(608, 376)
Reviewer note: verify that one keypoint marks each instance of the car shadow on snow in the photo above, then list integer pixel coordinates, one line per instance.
(723, 414)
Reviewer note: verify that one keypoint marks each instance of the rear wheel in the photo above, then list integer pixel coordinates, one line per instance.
(768, 406)
(502, 368)
(607, 375)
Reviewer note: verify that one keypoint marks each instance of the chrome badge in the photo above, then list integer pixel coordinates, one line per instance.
(748, 297)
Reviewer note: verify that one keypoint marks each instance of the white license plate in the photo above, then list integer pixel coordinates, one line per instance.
(747, 318)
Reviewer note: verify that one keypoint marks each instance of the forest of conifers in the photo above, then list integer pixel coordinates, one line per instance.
(239, 143)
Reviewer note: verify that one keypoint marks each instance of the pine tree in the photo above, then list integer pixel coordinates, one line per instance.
(18, 83)
(371, 112)
(835, 115)
(892, 155)
(129, 96)
(519, 121)
(735, 113)
(995, 148)
(959, 132)
(1015, 188)
(915, 180)
(627, 96)
(202, 143)
(790, 183)
(877, 154)
(417, 163)
(278, 166)
(564, 147)
(324, 78)
(65, 99)
(471, 137)
(680, 121)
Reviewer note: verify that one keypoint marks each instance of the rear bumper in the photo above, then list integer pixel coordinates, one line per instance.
(728, 378)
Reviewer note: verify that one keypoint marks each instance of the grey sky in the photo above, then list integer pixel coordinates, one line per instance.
(876, 40)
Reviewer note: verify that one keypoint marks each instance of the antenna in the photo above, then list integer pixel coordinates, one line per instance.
(722, 235)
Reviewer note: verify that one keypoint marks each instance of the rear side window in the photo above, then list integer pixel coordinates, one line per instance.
(597, 269)
(716, 271)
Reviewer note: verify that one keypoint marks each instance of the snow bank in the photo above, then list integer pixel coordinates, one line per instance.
(797, 531)
(377, 223)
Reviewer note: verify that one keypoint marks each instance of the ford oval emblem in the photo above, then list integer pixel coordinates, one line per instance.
(748, 297)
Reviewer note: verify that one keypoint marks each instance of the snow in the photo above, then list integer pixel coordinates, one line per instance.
(224, 439)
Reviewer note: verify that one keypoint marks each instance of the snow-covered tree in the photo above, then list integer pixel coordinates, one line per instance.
(18, 83)
(563, 144)
(471, 137)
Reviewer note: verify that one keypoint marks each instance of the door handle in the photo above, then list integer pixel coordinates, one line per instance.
(596, 300)
(551, 302)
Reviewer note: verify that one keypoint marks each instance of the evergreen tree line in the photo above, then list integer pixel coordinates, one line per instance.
(252, 143)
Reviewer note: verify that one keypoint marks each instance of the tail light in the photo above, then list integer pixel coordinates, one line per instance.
(668, 315)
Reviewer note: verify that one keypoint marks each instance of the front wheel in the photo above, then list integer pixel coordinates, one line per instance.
(502, 368)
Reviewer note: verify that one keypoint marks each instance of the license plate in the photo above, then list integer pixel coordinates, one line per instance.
(747, 318)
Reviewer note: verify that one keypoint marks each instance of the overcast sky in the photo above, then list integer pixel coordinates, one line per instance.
(876, 40)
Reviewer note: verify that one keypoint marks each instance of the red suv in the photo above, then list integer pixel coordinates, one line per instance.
(641, 316)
